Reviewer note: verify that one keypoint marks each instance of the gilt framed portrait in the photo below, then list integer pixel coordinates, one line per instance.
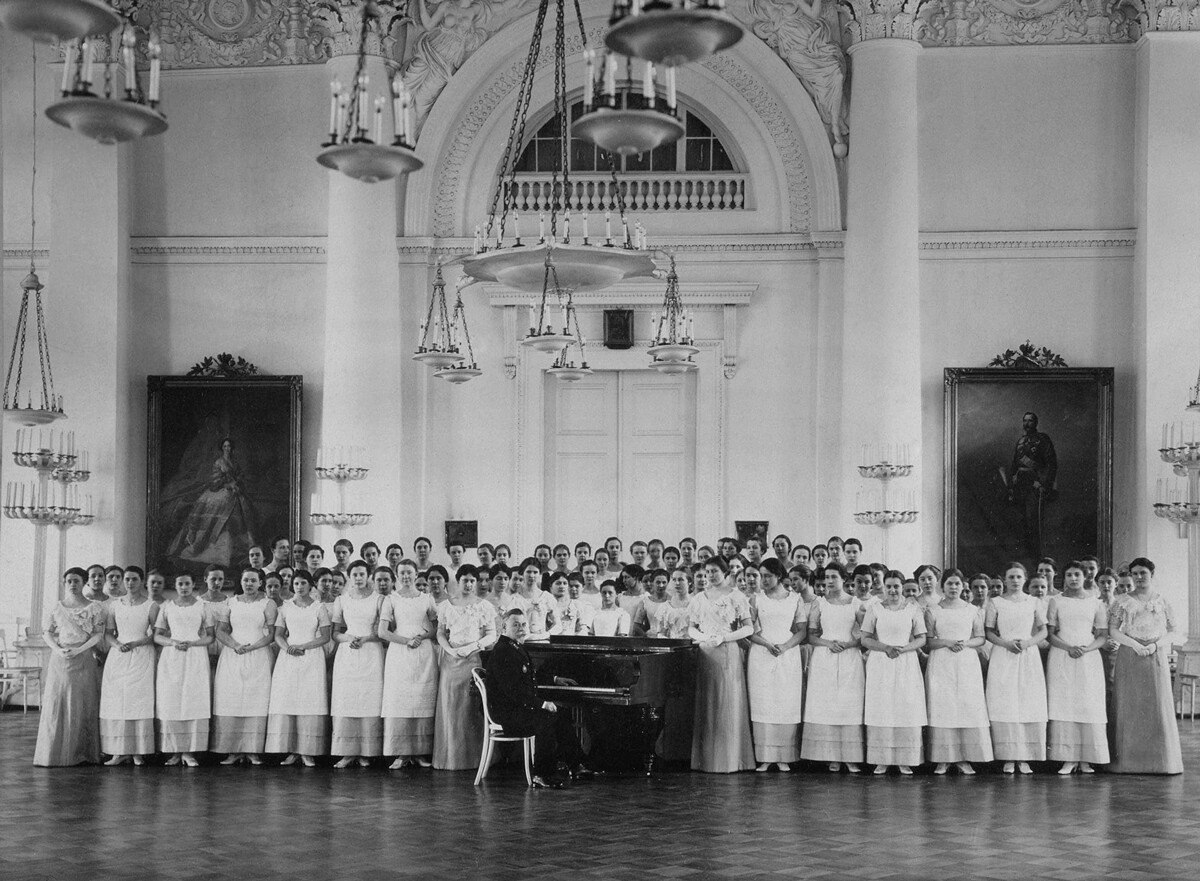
(223, 468)
(1028, 465)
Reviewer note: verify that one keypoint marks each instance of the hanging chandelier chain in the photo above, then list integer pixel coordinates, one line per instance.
(44, 356)
(360, 68)
(516, 131)
(33, 174)
(459, 311)
(18, 347)
(558, 191)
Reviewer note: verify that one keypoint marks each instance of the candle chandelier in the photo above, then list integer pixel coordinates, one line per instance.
(445, 343)
(672, 346)
(50, 21)
(48, 407)
(357, 145)
(671, 33)
(93, 105)
(580, 261)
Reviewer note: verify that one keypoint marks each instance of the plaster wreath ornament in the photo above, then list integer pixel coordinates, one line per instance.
(223, 365)
(1027, 356)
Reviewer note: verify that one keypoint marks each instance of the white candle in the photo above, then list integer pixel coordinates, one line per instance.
(610, 75)
(155, 67)
(589, 85)
(406, 109)
(567, 225)
(128, 41)
(541, 227)
(671, 100)
(1164, 437)
(343, 104)
(397, 107)
(608, 227)
(585, 229)
(85, 73)
(648, 83)
(516, 222)
(69, 67)
(478, 239)
(336, 88)
(625, 227)
(364, 105)
(493, 225)
(532, 314)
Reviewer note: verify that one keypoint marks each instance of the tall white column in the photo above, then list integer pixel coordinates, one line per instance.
(1167, 289)
(881, 339)
(360, 400)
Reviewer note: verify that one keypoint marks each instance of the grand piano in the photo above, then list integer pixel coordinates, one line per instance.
(629, 688)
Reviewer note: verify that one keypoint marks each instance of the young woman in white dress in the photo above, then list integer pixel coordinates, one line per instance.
(298, 713)
(356, 698)
(576, 615)
(610, 619)
(775, 670)
(538, 605)
(671, 620)
(127, 689)
(894, 698)
(466, 628)
(1075, 681)
(408, 625)
(183, 683)
(1016, 684)
(833, 709)
(959, 732)
(242, 686)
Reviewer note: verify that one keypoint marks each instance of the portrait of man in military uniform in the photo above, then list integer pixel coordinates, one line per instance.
(1031, 481)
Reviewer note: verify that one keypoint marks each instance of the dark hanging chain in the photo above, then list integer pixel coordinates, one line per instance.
(459, 311)
(18, 346)
(559, 193)
(44, 354)
(516, 132)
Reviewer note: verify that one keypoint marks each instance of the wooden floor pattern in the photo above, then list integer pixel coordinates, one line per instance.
(232, 824)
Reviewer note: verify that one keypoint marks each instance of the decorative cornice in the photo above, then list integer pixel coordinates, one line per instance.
(1039, 243)
(41, 254)
(228, 250)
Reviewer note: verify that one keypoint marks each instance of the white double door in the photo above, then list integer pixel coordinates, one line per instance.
(620, 457)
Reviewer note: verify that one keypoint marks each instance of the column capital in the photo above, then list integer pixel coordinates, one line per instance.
(882, 20)
(342, 21)
(1168, 15)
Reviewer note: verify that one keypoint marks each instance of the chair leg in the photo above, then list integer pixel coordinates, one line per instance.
(484, 757)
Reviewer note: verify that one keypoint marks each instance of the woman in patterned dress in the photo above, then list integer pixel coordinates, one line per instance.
(408, 625)
(127, 691)
(466, 627)
(1146, 739)
(68, 727)
(719, 617)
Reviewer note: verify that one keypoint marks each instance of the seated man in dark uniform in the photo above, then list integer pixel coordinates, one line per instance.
(514, 703)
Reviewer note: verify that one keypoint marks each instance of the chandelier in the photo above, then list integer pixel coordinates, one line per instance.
(91, 103)
(444, 335)
(51, 21)
(49, 406)
(580, 261)
(628, 119)
(672, 344)
(671, 33)
(564, 366)
(357, 146)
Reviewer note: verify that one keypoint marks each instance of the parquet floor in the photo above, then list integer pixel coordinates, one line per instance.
(233, 824)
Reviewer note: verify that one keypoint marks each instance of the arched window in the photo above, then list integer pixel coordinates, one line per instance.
(698, 150)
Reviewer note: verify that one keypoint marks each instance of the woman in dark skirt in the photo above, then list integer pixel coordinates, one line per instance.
(1146, 740)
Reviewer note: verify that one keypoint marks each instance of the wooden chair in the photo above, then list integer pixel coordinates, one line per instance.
(13, 676)
(493, 733)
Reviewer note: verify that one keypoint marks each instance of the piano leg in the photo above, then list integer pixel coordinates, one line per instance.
(652, 726)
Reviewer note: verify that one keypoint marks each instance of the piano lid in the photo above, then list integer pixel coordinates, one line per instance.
(641, 645)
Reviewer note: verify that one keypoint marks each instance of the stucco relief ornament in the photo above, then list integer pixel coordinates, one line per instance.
(1168, 15)
(234, 33)
(805, 34)
(341, 26)
(881, 19)
(1028, 22)
(448, 32)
